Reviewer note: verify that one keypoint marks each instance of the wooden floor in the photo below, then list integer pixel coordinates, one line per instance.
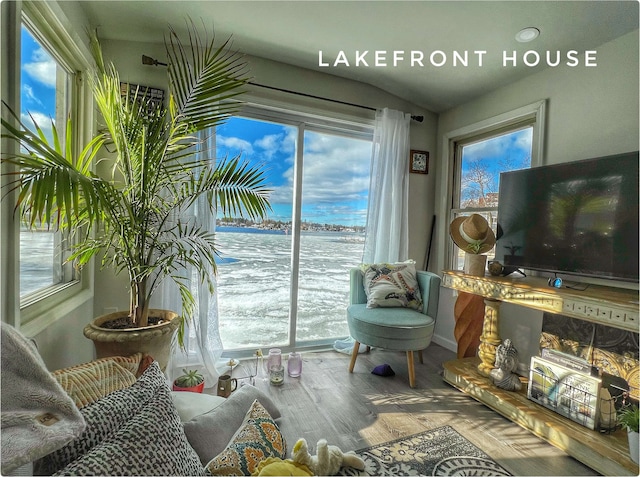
(361, 409)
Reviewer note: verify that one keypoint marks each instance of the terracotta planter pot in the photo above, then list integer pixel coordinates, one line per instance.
(154, 340)
(198, 388)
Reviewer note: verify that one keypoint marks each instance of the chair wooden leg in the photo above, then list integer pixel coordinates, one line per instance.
(354, 356)
(420, 356)
(412, 372)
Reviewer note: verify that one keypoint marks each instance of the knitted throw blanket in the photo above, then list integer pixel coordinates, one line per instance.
(38, 417)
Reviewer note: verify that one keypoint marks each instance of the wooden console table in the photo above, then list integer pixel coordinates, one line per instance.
(607, 454)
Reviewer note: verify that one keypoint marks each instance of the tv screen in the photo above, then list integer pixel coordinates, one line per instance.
(579, 218)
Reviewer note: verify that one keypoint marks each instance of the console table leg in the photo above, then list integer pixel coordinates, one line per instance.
(490, 337)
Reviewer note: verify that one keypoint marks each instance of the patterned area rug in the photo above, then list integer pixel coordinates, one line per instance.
(440, 451)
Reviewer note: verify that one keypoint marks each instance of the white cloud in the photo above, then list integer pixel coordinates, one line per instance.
(42, 69)
(335, 182)
(271, 144)
(30, 95)
(336, 173)
(235, 143)
(336, 169)
(41, 119)
(523, 139)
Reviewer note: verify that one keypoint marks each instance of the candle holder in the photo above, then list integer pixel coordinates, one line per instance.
(294, 365)
(276, 375)
(254, 369)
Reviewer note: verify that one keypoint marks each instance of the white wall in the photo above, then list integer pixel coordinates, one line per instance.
(590, 112)
(62, 344)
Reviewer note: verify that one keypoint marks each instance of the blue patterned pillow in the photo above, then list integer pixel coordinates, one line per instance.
(392, 285)
(104, 417)
(152, 442)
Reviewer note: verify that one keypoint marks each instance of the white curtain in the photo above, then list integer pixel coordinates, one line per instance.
(202, 338)
(387, 232)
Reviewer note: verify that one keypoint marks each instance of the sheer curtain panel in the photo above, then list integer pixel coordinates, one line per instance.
(387, 236)
(387, 231)
(202, 338)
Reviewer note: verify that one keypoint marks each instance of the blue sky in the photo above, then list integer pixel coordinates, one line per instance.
(37, 95)
(336, 169)
(503, 153)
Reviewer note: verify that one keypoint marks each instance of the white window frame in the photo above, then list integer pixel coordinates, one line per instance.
(533, 113)
(41, 309)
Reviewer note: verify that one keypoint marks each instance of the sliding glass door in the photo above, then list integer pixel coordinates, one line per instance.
(285, 282)
(335, 185)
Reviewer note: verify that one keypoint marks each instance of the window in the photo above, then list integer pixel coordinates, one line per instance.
(37, 288)
(45, 91)
(481, 153)
(285, 281)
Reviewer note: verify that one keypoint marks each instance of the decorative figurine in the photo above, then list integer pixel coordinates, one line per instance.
(503, 374)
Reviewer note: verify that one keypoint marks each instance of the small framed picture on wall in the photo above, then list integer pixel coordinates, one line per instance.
(419, 162)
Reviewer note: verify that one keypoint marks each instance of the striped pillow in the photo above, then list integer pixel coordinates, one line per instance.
(88, 382)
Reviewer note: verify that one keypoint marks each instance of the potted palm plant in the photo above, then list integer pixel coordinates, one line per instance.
(132, 217)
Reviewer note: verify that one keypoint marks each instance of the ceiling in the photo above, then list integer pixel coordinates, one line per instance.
(294, 32)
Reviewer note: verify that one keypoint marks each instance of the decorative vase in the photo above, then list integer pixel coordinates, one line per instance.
(294, 365)
(634, 445)
(274, 358)
(475, 264)
(154, 340)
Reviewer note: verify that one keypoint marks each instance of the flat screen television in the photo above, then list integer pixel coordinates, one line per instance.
(577, 218)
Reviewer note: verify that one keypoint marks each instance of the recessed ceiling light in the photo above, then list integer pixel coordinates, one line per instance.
(527, 34)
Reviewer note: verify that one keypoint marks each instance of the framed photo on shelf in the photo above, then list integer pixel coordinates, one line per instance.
(419, 162)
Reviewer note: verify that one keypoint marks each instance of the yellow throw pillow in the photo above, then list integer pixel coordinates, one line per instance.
(88, 382)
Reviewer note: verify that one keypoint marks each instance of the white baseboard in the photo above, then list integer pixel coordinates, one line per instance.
(451, 345)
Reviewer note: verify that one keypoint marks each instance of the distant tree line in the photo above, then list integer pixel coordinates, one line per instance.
(270, 224)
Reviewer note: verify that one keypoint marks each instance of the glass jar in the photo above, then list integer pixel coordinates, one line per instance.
(294, 365)
(276, 375)
(274, 358)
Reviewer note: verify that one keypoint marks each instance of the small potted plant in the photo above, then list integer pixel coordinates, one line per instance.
(629, 418)
(190, 380)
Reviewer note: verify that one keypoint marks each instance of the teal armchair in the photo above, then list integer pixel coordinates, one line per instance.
(400, 329)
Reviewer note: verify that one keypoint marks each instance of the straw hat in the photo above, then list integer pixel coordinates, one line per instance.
(471, 230)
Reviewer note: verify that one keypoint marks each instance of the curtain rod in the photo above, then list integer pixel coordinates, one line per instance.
(306, 95)
(147, 60)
